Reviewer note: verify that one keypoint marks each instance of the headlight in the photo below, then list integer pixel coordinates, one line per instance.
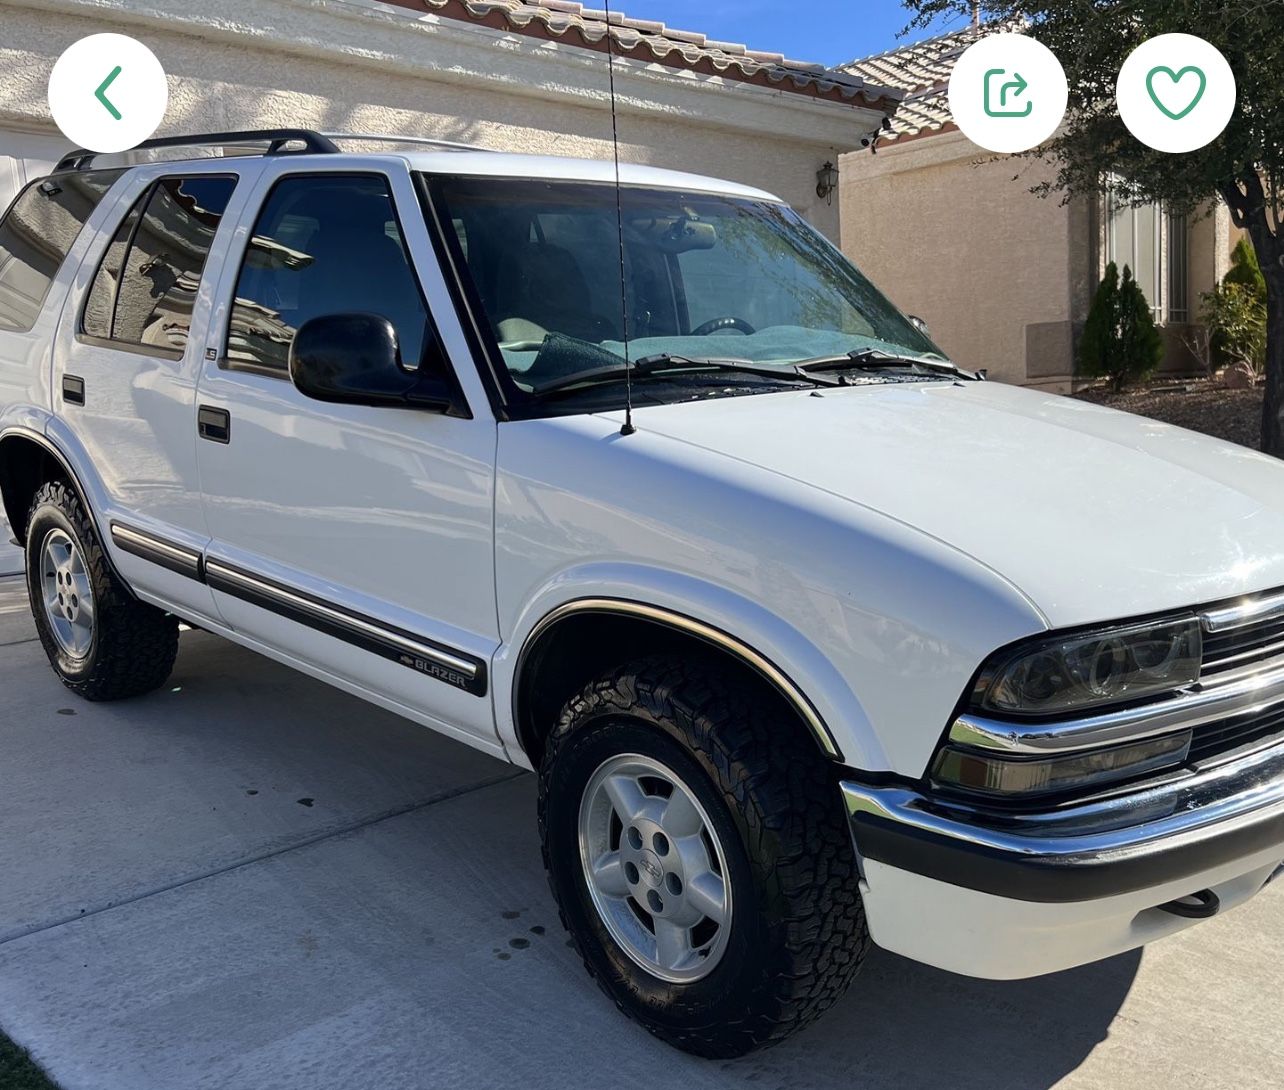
(1014, 777)
(1086, 671)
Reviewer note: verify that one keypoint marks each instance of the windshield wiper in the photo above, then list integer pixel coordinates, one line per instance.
(665, 363)
(876, 359)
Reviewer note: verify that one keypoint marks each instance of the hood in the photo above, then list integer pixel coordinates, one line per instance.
(1094, 514)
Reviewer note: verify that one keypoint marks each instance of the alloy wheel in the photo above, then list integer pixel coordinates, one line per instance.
(654, 868)
(68, 594)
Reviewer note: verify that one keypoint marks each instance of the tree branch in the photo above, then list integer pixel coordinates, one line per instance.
(1235, 202)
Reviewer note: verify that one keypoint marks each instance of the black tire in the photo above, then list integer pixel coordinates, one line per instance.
(133, 645)
(798, 932)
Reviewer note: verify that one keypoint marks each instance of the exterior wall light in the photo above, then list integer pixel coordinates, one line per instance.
(827, 182)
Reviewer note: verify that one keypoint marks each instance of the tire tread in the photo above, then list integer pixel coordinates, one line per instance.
(136, 643)
(799, 844)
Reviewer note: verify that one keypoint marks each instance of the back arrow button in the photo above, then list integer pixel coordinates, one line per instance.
(101, 93)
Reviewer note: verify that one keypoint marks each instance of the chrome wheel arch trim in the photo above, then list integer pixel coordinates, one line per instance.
(73, 479)
(681, 622)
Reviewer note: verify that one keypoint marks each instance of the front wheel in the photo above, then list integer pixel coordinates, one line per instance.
(101, 641)
(697, 848)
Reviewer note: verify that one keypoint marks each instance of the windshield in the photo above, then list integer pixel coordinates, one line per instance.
(705, 276)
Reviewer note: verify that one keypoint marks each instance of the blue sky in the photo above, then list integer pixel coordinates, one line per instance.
(829, 31)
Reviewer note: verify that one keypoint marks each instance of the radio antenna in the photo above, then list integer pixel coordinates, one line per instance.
(628, 428)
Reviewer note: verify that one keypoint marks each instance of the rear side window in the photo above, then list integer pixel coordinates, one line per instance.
(324, 244)
(36, 235)
(145, 289)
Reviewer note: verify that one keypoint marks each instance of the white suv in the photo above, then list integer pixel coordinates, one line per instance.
(812, 636)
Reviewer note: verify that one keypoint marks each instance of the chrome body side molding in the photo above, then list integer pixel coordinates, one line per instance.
(444, 664)
(177, 558)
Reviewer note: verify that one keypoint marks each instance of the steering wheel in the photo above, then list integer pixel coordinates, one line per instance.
(716, 325)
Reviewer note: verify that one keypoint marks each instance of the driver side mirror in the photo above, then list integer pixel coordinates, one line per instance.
(919, 324)
(354, 359)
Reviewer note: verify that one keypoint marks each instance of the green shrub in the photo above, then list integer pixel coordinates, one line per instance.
(1235, 315)
(1141, 347)
(1245, 269)
(1096, 345)
(1120, 341)
(1235, 311)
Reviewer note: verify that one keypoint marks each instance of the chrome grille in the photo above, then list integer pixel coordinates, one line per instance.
(1238, 647)
(1238, 638)
(1228, 735)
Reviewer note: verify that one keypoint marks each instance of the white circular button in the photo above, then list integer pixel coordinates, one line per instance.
(1008, 93)
(108, 93)
(1176, 93)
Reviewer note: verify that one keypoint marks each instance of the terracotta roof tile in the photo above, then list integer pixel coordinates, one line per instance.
(649, 41)
(922, 73)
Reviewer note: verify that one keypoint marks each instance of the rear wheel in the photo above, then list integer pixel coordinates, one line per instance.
(695, 841)
(101, 641)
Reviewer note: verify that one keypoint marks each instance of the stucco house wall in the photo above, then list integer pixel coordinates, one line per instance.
(1003, 278)
(359, 66)
(997, 274)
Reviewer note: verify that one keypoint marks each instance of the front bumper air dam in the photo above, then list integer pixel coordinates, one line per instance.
(1036, 893)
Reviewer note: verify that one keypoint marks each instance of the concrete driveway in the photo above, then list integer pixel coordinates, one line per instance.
(252, 880)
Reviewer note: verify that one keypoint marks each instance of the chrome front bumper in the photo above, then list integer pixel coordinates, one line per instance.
(1146, 838)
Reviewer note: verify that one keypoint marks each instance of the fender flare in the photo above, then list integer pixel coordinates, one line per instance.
(673, 619)
(73, 478)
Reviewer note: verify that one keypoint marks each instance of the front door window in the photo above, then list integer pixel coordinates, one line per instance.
(324, 244)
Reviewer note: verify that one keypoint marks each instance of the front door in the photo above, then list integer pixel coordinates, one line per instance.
(355, 540)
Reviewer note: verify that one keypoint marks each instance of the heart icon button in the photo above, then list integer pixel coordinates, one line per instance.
(1176, 93)
(1169, 90)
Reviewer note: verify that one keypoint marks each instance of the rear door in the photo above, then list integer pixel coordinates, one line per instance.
(126, 364)
(354, 540)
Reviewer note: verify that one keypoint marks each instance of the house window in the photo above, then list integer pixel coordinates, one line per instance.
(1178, 287)
(1153, 244)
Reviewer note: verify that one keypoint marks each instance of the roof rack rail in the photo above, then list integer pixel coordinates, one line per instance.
(388, 138)
(276, 139)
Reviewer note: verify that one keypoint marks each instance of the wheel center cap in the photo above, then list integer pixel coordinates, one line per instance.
(649, 865)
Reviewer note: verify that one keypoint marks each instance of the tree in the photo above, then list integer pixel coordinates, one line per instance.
(1141, 347)
(1120, 341)
(1100, 331)
(1244, 166)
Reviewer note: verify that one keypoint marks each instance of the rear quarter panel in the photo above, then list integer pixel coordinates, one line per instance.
(26, 359)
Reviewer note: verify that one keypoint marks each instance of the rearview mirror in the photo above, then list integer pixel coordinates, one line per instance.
(676, 234)
(354, 359)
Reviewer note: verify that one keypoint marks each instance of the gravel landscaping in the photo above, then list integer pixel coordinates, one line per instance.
(1235, 415)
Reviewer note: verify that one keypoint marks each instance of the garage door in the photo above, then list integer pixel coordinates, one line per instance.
(24, 157)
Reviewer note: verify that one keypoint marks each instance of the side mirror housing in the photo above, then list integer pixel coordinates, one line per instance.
(354, 359)
(919, 324)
